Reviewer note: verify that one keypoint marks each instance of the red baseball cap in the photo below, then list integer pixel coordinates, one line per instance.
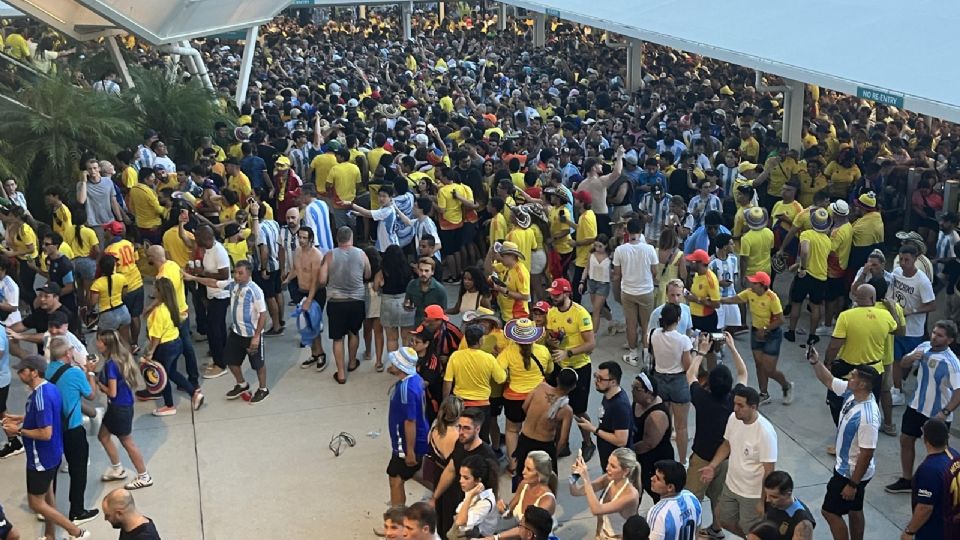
(583, 197)
(762, 278)
(560, 286)
(699, 256)
(114, 227)
(542, 305)
(433, 311)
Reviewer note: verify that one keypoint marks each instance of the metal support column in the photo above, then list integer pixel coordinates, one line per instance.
(246, 65)
(362, 12)
(118, 61)
(502, 17)
(793, 114)
(406, 13)
(634, 64)
(441, 11)
(539, 30)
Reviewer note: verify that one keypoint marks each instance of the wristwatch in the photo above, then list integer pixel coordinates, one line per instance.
(854, 485)
(946, 411)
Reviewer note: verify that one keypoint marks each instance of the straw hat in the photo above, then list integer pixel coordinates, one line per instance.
(510, 248)
(755, 217)
(820, 220)
(523, 331)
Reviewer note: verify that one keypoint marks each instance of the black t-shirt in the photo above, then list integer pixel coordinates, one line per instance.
(712, 415)
(38, 319)
(787, 520)
(615, 413)
(59, 269)
(677, 184)
(147, 531)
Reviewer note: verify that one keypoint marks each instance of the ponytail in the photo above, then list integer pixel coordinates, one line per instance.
(526, 351)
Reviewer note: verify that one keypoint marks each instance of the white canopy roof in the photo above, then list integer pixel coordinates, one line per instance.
(898, 49)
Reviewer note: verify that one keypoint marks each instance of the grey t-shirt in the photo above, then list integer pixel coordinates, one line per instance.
(345, 281)
(99, 202)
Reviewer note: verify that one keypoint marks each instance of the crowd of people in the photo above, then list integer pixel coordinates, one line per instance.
(367, 177)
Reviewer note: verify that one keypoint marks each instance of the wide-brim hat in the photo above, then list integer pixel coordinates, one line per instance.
(480, 314)
(404, 359)
(755, 217)
(154, 375)
(523, 331)
(509, 248)
(522, 216)
(242, 133)
(820, 220)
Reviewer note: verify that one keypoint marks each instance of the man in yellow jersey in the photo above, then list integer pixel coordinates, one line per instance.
(173, 271)
(522, 235)
(322, 163)
(755, 245)
(147, 212)
(766, 333)
(452, 200)
(868, 229)
(586, 235)
(344, 177)
(469, 374)
(703, 296)
(237, 180)
(512, 283)
(571, 339)
(59, 212)
(838, 275)
(562, 253)
(126, 254)
(811, 280)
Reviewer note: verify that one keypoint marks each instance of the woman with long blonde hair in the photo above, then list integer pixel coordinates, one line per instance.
(538, 487)
(619, 491)
(118, 379)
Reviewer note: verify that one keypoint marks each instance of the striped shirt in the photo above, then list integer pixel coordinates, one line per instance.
(145, 158)
(426, 227)
(710, 203)
(317, 217)
(658, 211)
(675, 518)
(386, 218)
(300, 160)
(859, 428)
(945, 244)
(288, 241)
(269, 236)
(938, 378)
(247, 305)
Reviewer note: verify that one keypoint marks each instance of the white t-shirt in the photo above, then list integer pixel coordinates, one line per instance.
(911, 293)
(482, 513)
(859, 428)
(751, 445)
(214, 259)
(10, 294)
(635, 260)
(668, 348)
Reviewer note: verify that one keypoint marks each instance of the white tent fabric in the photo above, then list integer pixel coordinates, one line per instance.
(888, 46)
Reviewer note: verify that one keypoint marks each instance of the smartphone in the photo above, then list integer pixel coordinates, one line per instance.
(718, 336)
(250, 200)
(810, 351)
(574, 478)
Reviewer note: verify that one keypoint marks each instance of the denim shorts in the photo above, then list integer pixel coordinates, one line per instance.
(85, 267)
(771, 345)
(114, 318)
(673, 387)
(598, 288)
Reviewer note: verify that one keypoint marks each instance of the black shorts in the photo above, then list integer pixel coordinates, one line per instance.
(118, 420)
(40, 482)
(514, 410)
(579, 396)
(4, 393)
(345, 317)
(834, 503)
(134, 302)
(836, 288)
(808, 286)
(525, 445)
(913, 421)
(469, 234)
(238, 348)
(496, 406)
(706, 323)
(451, 241)
(5, 525)
(269, 285)
(399, 467)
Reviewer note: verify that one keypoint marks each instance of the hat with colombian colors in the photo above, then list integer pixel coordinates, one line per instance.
(560, 286)
(755, 217)
(523, 331)
(820, 220)
(868, 200)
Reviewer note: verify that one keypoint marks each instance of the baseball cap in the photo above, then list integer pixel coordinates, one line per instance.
(114, 227)
(583, 196)
(542, 306)
(560, 286)
(433, 311)
(49, 288)
(699, 256)
(32, 361)
(762, 278)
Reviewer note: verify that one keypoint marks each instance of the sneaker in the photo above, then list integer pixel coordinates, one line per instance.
(588, 451)
(711, 534)
(274, 333)
(631, 359)
(164, 411)
(197, 400)
(889, 429)
(831, 450)
(824, 330)
(321, 363)
(764, 398)
(902, 485)
(13, 448)
(260, 395)
(213, 372)
(788, 394)
(790, 335)
(896, 398)
(143, 395)
(84, 535)
(237, 390)
(141, 481)
(112, 473)
(64, 467)
(84, 516)
(308, 362)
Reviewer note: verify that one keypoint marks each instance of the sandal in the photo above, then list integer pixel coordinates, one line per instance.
(353, 365)
(378, 367)
(336, 378)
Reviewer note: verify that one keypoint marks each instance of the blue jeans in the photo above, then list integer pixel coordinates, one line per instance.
(167, 354)
(189, 355)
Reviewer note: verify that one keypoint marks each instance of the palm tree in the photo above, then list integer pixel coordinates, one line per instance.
(54, 125)
(182, 111)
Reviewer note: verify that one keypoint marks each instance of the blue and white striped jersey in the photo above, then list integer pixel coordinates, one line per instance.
(937, 379)
(858, 428)
(675, 518)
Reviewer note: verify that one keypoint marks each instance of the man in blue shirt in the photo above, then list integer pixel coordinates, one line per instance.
(650, 177)
(702, 237)
(41, 427)
(255, 168)
(74, 384)
(935, 510)
(407, 423)
(13, 445)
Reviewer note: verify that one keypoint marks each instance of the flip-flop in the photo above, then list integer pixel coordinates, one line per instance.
(344, 381)
(379, 367)
(353, 366)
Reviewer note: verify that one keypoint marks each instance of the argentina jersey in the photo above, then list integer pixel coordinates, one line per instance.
(938, 377)
(858, 428)
(317, 217)
(675, 518)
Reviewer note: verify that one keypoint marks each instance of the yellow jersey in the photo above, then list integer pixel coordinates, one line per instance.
(63, 222)
(110, 290)
(472, 371)
(526, 241)
(147, 212)
(84, 244)
(451, 210)
(865, 331)
(762, 307)
(517, 280)
(818, 253)
(784, 212)
(160, 325)
(344, 177)
(522, 380)
(564, 244)
(171, 271)
(567, 327)
(586, 229)
(126, 256)
(25, 240)
(868, 230)
(177, 251)
(498, 228)
(706, 286)
(756, 245)
(321, 166)
(241, 184)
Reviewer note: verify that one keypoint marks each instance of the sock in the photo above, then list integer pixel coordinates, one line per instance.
(144, 476)
(116, 466)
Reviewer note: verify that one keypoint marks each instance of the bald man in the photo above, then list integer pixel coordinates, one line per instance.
(120, 510)
(170, 270)
(859, 338)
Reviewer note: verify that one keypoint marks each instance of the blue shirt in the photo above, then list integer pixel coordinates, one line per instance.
(42, 410)
(685, 324)
(647, 179)
(124, 397)
(247, 305)
(73, 385)
(254, 166)
(931, 485)
(699, 239)
(407, 403)
(4, 360)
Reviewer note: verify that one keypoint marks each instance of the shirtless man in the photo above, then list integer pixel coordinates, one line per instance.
(307, 262)
(546, 408)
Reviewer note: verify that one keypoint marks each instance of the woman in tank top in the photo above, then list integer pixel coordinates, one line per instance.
(619, 491)
(392, 280)
(651, 421)
(474, 292)
(538, 487)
